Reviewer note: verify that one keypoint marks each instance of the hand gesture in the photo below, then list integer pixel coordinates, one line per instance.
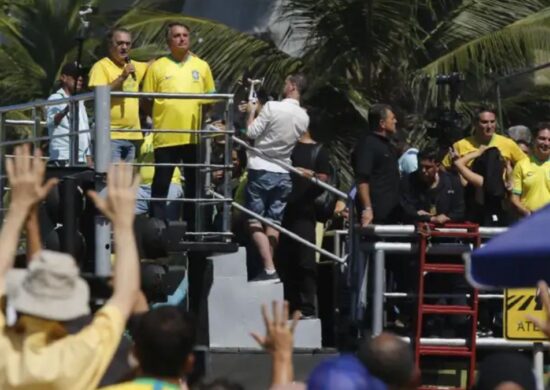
(129, 68)
(453, 154)
(120, 203)
(26, 178)
(440, 219)
(544, 326)
(279, 334)
(366, 217)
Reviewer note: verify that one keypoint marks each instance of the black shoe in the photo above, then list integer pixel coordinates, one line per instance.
(264, 277)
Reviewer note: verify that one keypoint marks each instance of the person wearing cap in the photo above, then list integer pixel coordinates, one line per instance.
(121, 74)
(58, 120)
(37, 351)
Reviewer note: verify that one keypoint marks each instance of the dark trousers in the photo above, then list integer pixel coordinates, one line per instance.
(297, 266)
(186, 154)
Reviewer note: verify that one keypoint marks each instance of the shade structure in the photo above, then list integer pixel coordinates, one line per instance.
(517, 258)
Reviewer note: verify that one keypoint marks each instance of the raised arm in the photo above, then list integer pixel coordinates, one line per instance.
(119, 208)
(26, 180)
(461, 165)
(32, 227)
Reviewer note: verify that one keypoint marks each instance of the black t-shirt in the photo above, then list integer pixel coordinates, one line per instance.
(374, 161)
(304, 191)
(446, 198)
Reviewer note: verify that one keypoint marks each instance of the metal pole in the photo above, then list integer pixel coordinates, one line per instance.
(102, 160)
(35, 126)
(2, 173)
(538, 364)
(378, 292)
(226, 220)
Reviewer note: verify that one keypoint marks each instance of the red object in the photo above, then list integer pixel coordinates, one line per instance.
(468, 233)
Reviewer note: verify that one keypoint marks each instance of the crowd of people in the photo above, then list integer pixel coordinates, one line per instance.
(51, 340)
(487, 178)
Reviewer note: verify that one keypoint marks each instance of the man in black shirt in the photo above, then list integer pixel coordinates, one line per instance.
(430, 194)
(376, 172)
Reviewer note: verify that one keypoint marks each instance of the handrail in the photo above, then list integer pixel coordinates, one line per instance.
(410, 231)
(43, 103)
(23, 122)
(158, 95)
(292, 169)
(281, 229)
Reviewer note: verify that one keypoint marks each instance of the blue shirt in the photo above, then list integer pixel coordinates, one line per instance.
(408, 162)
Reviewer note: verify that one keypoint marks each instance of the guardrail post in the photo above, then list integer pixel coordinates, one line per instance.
(102, 160)
(378, 292)
(227, 192)
(2, 154)
(538, 364)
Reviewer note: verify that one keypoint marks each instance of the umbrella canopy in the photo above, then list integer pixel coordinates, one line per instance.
(517, 258)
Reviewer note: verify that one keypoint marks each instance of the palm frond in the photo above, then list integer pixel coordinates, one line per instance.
(229, 52)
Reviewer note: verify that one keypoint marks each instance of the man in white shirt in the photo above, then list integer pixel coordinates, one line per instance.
(275, 132)
(59, 121)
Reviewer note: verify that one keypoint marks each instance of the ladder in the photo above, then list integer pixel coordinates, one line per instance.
(467, 233)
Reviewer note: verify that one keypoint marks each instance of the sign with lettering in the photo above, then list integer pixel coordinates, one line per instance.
(518, 303)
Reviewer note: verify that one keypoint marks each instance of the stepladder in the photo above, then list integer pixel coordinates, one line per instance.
(453, 303)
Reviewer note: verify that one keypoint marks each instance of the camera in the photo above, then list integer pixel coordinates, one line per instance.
(448, 79)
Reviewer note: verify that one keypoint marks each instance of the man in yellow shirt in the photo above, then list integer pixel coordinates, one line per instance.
(37, 352)
(484, 134)
(175, 191)
(531, 175)
(122, 74)
(179, 72)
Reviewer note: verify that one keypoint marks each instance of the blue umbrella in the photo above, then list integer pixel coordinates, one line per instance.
(517, 258)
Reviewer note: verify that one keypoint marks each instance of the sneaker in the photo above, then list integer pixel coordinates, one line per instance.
(264, 277)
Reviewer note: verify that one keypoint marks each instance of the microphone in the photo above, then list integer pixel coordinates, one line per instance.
(127, 59)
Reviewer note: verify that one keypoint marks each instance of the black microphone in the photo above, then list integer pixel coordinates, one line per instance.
(127, 59)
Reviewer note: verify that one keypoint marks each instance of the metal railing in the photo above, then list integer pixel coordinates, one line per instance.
(379, 294)
(101, 97)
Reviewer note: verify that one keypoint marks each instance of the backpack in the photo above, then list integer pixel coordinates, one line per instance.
(325, 202)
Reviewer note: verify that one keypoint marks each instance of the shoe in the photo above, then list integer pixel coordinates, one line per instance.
(264, 277)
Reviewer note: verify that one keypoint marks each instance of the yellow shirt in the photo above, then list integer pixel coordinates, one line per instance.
(532, 182)
(124, 111)
(30, 360)
(147, 155)
(143, 384)
(193, 75)
(507, 147)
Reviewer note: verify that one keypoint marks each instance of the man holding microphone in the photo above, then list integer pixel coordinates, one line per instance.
(122, 74)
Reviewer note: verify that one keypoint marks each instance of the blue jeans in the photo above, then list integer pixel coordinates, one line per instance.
(173, 209)
(267, 192)
(123, 150)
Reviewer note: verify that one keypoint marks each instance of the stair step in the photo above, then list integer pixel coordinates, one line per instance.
(444, 268)
(447, 309)
(432, 350)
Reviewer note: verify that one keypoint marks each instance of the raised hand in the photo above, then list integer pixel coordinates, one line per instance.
(544, 326)
(119, 204)
(26, 178)
(279, 334)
